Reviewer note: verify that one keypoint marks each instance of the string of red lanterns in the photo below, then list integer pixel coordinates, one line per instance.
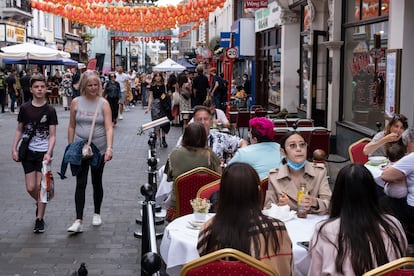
(97, 13)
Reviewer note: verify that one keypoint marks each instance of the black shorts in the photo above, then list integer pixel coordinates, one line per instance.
(33, 161)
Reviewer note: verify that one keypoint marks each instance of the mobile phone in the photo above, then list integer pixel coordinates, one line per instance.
(304, 244)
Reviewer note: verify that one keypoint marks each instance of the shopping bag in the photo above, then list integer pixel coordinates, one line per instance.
(47, 185)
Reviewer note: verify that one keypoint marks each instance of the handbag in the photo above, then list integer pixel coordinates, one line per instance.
(23, 144)
(166, 105)
(87, 149)
(176, 98)
(186, 93)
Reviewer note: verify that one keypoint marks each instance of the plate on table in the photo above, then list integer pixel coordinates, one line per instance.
(195, 224)
(283, 216)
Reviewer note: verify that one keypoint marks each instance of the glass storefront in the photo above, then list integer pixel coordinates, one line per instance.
(365, 63)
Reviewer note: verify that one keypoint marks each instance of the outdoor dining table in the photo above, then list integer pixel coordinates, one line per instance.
(179, 243)
(376, 171)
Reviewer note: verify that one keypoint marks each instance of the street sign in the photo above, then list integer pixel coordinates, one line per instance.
(232, 53)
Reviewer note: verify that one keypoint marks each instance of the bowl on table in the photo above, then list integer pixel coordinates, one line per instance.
(377, 160)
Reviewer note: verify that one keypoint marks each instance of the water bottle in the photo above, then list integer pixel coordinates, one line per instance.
(82, 271)
(301, 209)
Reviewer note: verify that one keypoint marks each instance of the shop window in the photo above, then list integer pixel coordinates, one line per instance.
(367, 9)
(364, 73)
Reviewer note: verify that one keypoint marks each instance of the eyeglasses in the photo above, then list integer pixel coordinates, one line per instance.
(301, 145)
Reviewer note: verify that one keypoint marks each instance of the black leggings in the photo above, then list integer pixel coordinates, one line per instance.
(113, 103)
(82, 180)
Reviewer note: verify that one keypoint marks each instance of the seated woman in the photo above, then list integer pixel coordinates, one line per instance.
(358, 236)
(285, 181)
(391, 133)
(240, 224)
(262, 154)
(193, 153)
(402, 171)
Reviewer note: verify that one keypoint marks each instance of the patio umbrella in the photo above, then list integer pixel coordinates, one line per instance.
(168, 65)
(57, 61)
(186, 64)
(32, 51)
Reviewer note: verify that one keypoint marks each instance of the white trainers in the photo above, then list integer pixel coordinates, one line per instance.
(121, 117)
(76, 227)
(96, 220)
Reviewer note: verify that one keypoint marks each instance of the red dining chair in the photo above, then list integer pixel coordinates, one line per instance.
(278, 134)
(207, 190)
(260, 113)
(233, 117)
(54, 96)
(243, 121)
(304, 123)
(319, 139)
(186, 186)
(227, 261)
(394, 268)
(264, 184)
(280, 123)
(356, 151)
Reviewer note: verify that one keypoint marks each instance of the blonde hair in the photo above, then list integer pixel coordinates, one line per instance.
(86, 77)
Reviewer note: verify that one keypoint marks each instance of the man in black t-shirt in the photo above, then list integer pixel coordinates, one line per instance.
(12, 89)
(25, 84)
(37, 122)
(200, 86)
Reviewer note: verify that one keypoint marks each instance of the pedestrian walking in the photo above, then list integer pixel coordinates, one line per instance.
(82, 112)
(38, 120)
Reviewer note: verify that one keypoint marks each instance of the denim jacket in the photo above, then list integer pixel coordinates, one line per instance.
(73, 156)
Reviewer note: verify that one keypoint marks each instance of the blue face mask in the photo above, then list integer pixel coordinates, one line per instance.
(296, 166)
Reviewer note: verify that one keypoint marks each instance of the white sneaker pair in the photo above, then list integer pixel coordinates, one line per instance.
(121, 117)
(77, 226)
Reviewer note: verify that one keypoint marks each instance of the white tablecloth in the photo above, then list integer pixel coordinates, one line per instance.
(179, 243)
(376, 172)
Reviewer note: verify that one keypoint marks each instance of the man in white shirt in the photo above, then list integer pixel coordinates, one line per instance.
(122, 78)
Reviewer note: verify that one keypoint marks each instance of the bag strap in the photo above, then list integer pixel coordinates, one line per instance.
(93, 122)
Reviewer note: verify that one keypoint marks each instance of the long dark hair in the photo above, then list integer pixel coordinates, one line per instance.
(362, 221)
(239, 220)
(194, 136)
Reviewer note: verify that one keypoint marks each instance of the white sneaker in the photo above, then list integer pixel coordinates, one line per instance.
(96, 220)
(121, 117)
(76, 227)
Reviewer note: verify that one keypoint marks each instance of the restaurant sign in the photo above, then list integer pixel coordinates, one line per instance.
(267, 18)
(15, 34)
(255, 4)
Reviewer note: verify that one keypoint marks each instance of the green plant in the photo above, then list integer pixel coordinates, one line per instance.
(87, 37)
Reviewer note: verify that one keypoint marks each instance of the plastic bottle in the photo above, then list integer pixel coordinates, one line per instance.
(301, 209)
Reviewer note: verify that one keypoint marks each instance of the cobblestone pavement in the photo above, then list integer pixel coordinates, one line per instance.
(110, 249)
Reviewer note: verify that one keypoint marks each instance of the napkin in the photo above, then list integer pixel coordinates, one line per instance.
(282, 213)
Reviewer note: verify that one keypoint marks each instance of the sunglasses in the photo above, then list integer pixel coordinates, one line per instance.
(399, 117)
(294, 146)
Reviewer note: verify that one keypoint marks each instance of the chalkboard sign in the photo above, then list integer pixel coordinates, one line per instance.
(392, 82)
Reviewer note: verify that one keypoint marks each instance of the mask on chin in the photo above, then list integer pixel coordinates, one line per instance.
(296, 166)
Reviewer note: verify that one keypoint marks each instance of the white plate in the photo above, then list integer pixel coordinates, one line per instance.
(194, 224)
(284, 217)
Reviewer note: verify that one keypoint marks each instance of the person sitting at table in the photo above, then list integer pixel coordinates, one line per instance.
(240, 224)
(285, 181)
(217, 115)
(359, 235)
(391, 133)
(193, 153)
(402, 170)
(220, 143)
(262, 154)
(399, 189)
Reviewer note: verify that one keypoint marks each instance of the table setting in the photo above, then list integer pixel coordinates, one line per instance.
(376, 164)
(179, 243)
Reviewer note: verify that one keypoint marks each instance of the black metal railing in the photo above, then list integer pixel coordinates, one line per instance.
(24, 5)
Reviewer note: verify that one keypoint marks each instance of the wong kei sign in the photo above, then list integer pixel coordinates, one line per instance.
(255, 4)
(267, 18)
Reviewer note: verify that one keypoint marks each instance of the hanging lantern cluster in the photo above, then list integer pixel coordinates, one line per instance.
(97, 13)
(141, 39)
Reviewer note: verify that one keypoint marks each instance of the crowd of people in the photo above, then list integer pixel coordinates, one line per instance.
(363, 228)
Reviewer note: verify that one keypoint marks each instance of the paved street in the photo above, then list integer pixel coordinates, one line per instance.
(107, 250)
